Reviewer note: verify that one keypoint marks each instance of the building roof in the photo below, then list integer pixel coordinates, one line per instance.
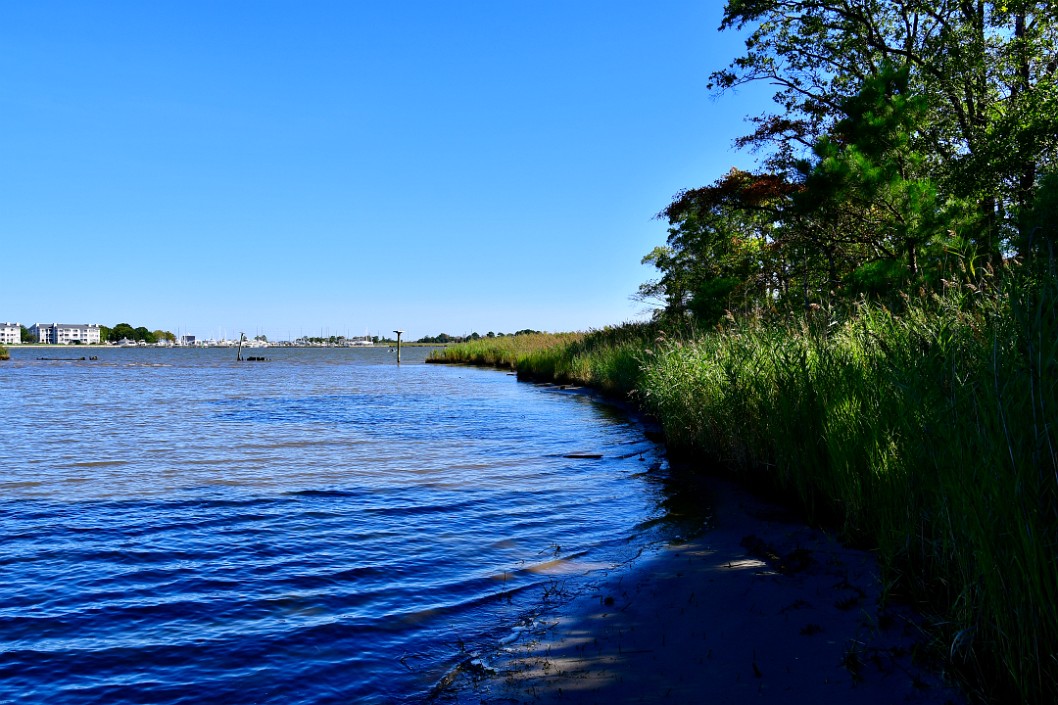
(66, 325)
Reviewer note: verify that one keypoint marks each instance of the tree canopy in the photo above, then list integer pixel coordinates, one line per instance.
(124, 331)
(446, 339)
(905, 135)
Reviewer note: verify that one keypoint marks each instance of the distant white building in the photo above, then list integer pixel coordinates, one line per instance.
(187, 340)
(66, 333)
(10, 333)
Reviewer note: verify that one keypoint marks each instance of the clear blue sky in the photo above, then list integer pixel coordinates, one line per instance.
(293, 168)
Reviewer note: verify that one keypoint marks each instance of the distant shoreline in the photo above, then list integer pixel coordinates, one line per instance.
(103, 346)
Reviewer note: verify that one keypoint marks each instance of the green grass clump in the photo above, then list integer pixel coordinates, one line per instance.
(4, 354)
(506, 352)
(928, 434)
(609, 359)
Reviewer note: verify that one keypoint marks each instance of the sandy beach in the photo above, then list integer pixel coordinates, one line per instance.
(759, 608)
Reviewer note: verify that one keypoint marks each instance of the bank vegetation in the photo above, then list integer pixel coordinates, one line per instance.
(866, 324)
(925, 432)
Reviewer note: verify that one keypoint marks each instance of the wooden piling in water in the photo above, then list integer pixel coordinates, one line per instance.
(398, 332)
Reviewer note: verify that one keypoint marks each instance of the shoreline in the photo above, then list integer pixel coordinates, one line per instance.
(759, 607)
(104, 346)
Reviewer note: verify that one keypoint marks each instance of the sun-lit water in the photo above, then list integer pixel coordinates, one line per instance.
(323, 527)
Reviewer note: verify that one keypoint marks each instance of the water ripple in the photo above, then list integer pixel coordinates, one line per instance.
(319, 529)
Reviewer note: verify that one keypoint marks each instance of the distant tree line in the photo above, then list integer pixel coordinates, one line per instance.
(445, 339)
(124, 331)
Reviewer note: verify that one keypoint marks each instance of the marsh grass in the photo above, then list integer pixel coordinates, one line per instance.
(507, 352)
(928, 435)
(4, 354)
(609, 359)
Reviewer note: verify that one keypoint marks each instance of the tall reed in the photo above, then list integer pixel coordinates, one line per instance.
(608, 358)
(4, 354)
(506, 352)
(930, 435)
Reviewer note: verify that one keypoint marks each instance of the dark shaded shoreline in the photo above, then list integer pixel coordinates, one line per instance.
(757, 607)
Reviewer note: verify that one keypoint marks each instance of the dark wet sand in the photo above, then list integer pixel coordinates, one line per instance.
(757, 609)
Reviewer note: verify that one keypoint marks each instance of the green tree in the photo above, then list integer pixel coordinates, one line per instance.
(722, 246)
(870, 182)
(121, 331)
(1040, 223)
(27, 336)
(983, 69)
(145, 335)
(442, 338)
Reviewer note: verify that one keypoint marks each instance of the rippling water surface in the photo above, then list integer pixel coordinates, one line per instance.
(324, 527)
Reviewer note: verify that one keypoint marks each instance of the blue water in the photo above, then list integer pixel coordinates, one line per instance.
(324, 527)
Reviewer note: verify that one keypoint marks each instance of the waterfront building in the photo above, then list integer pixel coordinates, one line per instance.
(10, 333)
(187, 340)
(66, 333)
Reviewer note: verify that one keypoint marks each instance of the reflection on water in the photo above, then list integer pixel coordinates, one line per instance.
(322, 527)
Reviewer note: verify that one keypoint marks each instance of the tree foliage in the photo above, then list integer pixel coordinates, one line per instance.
(721, 244)
(124, 331)
(911, 143)
(446, 339)
(906, 134)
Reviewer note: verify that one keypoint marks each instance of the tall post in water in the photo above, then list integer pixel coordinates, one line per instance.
(238, 355)
(398, 332)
